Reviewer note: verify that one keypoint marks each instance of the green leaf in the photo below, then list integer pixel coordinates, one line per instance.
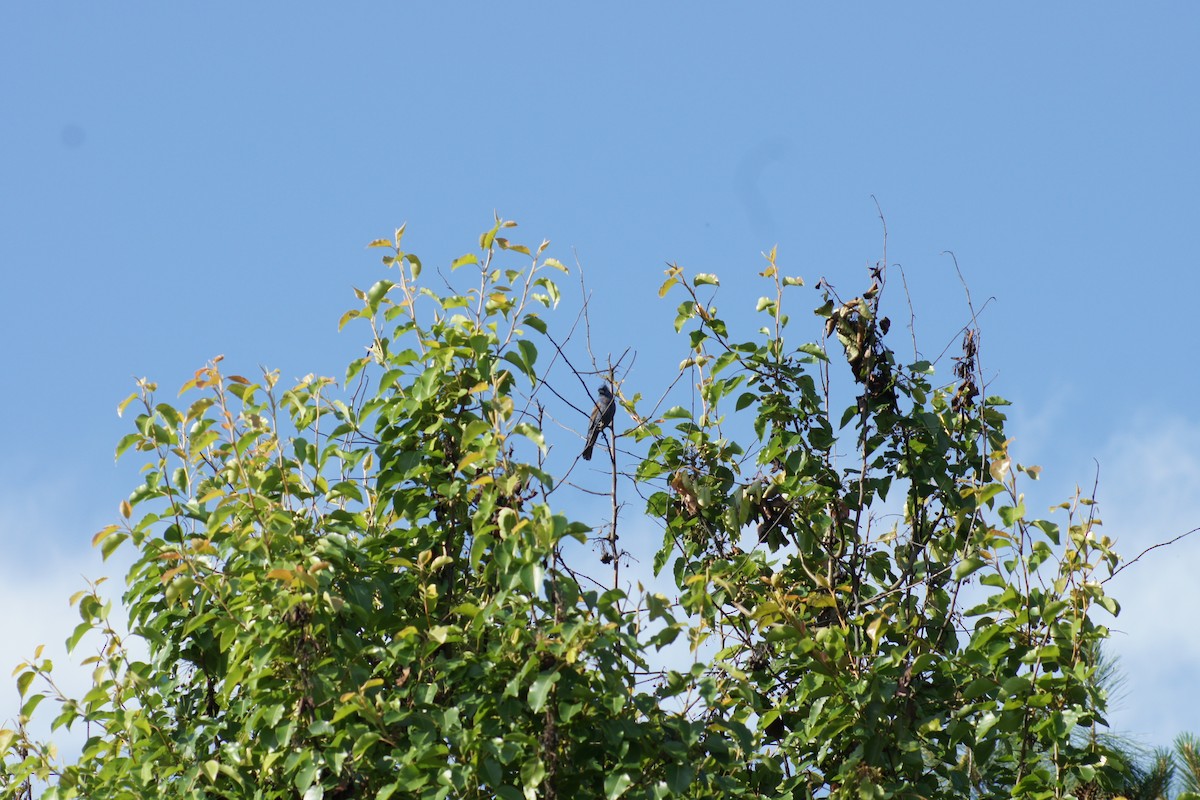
(127, 441)
(528, 351)
(31, 703)
(535, 322)
(306, 774)
(1050, 529)
(364, 742)
(814, 350)
(122, 405)
(518, 360)
(986, 493)
(680, 777)
(533, 772)
(615, 785)
(486, 239)
(967, 566)
(1009, 515)
(516, 248)
(540, 688)
(376, 294)
(23, 681)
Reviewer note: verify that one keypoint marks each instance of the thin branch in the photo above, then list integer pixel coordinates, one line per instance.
(912, 314)
(1118, 570)
(883, 222)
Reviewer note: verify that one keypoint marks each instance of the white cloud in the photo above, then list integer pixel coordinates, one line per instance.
(49, 558)
(1149, 484)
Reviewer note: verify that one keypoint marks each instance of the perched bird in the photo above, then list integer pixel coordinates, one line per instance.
(602, 417)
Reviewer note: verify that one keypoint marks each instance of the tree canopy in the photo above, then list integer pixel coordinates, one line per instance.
(368, 588)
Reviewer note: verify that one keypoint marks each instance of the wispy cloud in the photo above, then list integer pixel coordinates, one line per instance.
(37, 579)
(1149, 483)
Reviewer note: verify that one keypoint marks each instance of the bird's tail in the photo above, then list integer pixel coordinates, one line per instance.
(591, 442)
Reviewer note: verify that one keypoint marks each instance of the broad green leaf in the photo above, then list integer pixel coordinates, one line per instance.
(968, 566)
(540, 688)
(23, 680)
(616, 784)
(124, 403)
(1009, 514)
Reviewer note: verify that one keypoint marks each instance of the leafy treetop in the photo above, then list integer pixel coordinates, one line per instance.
(364, 591)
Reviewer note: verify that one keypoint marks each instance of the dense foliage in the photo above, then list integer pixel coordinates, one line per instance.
(364, 591)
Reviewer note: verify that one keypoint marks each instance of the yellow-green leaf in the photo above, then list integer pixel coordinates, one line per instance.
(121, 405)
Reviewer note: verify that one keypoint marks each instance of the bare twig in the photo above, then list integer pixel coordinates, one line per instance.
(912, 314)
(1147, 550)
(612, 529)
(883, 222)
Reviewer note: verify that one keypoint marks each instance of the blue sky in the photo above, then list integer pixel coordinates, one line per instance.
(183, 180)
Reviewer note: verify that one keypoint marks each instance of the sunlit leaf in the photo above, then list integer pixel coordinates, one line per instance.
(616, 784)
(539, 690)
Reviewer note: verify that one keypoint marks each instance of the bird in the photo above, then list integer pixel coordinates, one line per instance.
(602, 417)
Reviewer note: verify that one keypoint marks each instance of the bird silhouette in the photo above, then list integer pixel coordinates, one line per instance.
(602, 417)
